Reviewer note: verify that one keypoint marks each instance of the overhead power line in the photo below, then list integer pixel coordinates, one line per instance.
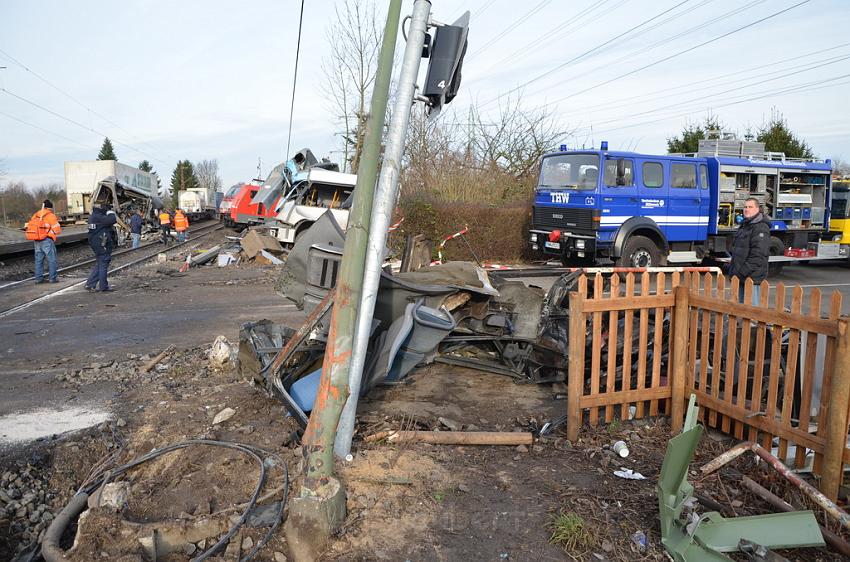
(585, 53)
(555, 33)
(84, 106)
(69, 120)
(672, 91)
(804, 87)
(508, 29)
(294, 79)
(682, 52)
(739, 85)
(628, 58)
(33, 125)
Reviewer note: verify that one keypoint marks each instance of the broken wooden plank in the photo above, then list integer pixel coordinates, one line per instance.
(454, 437)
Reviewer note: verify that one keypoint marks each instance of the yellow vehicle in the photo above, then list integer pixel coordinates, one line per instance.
(839, 221)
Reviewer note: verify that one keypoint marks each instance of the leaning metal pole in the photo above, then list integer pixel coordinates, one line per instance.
(333, 389)
(382, 211)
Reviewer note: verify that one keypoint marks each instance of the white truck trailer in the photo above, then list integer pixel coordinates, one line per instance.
(82, 177)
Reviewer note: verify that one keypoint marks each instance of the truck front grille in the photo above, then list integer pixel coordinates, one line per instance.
(562, 218)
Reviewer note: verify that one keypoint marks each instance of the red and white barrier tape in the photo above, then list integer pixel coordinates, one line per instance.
(396, 225)
(439, 259)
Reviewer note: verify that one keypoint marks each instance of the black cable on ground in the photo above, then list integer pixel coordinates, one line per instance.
(99, 479)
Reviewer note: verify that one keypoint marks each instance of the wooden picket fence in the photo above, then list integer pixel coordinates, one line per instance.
(641, 349)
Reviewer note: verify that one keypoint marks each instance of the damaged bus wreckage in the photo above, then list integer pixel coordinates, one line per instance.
(453, 313)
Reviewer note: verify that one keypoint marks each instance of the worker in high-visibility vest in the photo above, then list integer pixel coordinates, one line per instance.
(165, 225)
(42, 229)
(181, 224)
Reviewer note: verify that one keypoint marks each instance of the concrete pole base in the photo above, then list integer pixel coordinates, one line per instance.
(313, 520)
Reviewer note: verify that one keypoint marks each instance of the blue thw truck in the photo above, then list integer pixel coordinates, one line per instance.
(646, 210)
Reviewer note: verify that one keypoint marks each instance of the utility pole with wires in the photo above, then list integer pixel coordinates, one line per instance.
(294, 81)
(319, 509)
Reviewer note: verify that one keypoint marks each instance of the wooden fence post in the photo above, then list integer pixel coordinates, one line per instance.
(680, 358)
(836, 422)
(575, 375)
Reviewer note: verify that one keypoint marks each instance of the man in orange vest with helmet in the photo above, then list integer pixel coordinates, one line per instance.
(181, 224)
(42, 229)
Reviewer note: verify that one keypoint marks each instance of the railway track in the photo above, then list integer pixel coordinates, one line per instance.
(138, 255)
(201, 229)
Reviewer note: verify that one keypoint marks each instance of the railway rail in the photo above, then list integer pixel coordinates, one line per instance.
(143, 256)
(200, 229)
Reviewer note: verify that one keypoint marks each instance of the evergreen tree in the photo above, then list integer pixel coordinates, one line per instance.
(777, 137)
(692, 133)
(145, 166)
(182, 178)
(106, 151)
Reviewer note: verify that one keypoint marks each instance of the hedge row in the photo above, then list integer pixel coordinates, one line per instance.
(496, 233)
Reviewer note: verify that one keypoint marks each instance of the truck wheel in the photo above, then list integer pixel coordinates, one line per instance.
(640, 251)
(777, 248)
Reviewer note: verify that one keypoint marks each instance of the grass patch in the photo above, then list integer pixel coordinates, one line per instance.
(613, 426)
(438, 495)
(570, 532)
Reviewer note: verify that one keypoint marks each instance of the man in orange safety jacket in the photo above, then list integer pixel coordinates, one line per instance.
(42, 229)
(181, 224)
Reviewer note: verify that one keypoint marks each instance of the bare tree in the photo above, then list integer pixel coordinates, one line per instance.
(354, 39)
(207, 173)
(515, 139)
(840, 167)
(475, 158)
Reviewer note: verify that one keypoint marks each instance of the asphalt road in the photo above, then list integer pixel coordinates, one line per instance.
(146, 313)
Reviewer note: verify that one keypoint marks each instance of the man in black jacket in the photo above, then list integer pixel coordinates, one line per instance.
(750, 250)
(102, 239)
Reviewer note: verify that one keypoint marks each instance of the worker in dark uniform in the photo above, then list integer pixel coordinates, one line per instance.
(165, 225)
(750, 250)
(102, 239)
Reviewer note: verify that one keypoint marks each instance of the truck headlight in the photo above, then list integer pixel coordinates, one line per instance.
(580, 244)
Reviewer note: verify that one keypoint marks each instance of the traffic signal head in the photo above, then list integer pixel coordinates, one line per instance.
(444, 67)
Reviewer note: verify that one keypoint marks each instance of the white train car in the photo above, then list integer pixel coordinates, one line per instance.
(198, 203)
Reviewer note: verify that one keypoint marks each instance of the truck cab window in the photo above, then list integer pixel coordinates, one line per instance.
(703, 176)
(683, 175)
(625, 177)
(576, 171)
(653, 174)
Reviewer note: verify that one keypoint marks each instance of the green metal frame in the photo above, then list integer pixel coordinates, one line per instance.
(713, 534)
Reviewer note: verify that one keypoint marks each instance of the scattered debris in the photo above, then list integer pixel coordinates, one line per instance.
(255, 242)
(816, 495)
(267, 258)
(221, 352)
(223, 416)
(639, 539)
(204, 257)
(225, 259)
(153, 362)
(834, 540)
(621, 449)
(629, 474)
(450, 423)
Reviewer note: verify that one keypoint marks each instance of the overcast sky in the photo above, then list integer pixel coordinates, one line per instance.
(213, 79)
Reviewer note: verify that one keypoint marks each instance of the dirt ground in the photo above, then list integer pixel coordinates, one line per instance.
(405, 502)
